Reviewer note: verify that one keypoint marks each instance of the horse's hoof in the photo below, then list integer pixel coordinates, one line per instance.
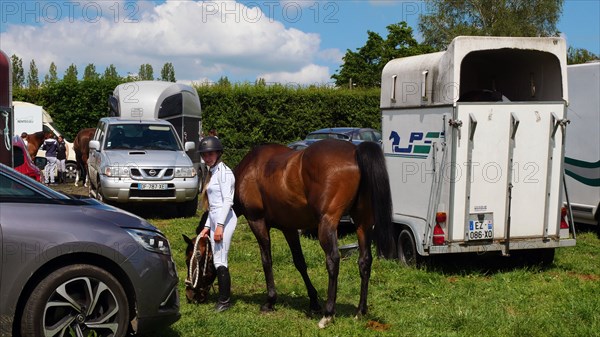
(325, 321)
(266, 307)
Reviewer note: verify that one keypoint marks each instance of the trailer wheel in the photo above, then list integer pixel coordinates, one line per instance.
(407, 249)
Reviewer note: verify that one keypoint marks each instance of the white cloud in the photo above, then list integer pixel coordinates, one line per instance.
(203, 39)
(310, 74)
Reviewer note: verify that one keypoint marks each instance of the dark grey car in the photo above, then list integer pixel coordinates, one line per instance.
(71, 266)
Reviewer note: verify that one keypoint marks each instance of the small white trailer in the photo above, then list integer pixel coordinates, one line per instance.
(474, 143)
(582, 153)
(32, 118)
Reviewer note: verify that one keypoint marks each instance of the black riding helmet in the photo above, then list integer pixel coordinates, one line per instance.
(211, 143)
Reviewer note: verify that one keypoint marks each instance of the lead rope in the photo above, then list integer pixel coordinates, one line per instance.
(194, 274)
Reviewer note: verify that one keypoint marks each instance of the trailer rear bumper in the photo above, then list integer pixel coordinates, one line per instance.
(515, 244)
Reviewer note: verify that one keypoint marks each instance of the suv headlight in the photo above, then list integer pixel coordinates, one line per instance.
(185, 172)
(151, 241)
(116, 171)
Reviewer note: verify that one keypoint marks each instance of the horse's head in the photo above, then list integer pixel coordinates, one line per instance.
(201, 271)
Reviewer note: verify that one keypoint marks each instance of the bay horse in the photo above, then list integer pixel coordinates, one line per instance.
(35, 141)
(81, 146)
(277, 187)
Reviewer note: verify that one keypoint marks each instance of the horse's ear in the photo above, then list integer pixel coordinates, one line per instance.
(187, 240)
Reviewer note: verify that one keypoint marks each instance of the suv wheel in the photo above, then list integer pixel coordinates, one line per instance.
(77, 300)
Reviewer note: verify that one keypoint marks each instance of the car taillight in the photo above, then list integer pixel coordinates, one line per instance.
(563, 218)
(439, 236)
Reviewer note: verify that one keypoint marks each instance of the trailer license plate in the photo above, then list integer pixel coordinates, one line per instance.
(152, 186)
(480, 230)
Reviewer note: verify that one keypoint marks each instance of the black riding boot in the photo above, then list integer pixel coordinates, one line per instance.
(224, 289)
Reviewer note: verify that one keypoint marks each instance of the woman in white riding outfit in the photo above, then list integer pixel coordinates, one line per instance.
(222, 220)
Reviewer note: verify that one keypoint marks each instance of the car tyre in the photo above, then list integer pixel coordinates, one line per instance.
(74, 301)
(99, 195)
(71, 172)
(407, 249)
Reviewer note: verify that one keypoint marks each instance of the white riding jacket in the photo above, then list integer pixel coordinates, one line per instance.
(220, 190)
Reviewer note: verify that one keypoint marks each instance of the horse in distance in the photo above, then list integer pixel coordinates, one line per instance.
(35, 141)
(81, 146)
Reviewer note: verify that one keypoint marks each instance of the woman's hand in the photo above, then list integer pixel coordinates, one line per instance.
(204, 232)
(218, 233)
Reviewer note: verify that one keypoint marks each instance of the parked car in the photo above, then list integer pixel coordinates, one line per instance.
(78, 267)
(22, 161)
(354, 135)
(142, 161)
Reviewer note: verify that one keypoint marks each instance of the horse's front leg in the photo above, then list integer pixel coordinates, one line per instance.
(293, 240)
(329, 243)
(263, 237)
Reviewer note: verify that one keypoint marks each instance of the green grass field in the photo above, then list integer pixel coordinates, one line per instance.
(469, 296)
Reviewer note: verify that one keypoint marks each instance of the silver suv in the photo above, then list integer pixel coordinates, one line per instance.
(142, 161)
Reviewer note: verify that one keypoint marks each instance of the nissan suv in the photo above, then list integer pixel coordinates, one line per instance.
(142, 161)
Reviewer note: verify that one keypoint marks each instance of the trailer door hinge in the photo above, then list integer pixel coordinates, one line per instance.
(455, 123)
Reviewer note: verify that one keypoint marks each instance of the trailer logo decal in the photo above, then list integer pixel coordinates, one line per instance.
(418, 146)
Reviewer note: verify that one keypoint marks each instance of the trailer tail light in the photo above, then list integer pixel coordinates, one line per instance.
(564, 224)
(563, 218)
(439, 237)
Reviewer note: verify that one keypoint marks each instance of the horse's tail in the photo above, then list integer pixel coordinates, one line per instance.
(376, 183)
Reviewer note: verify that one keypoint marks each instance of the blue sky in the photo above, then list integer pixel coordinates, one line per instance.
(286, 41)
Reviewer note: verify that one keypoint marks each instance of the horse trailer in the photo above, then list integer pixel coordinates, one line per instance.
(474, 144)
(176, 103)
(582, 152)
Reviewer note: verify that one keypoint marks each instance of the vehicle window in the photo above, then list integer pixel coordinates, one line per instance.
(116, 138)
(11, 189)
(171, 106)
(18, 158)
(367, 135)
(317, 136)
(141, 136)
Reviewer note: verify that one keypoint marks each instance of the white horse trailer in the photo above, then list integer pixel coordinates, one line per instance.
(474, 142)
(582, 153)
(174, 102)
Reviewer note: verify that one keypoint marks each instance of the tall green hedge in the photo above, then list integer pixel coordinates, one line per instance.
(244, 115)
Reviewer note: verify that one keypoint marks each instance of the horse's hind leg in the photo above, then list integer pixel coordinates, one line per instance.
(263, 237)
(329, 243)
(293, 240)
(365, 260)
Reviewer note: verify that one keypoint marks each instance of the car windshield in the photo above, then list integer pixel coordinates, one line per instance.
(141, 136)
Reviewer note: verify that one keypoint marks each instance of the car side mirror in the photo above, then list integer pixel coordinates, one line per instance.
(190, 146)
(94, 145)
(40, 162)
